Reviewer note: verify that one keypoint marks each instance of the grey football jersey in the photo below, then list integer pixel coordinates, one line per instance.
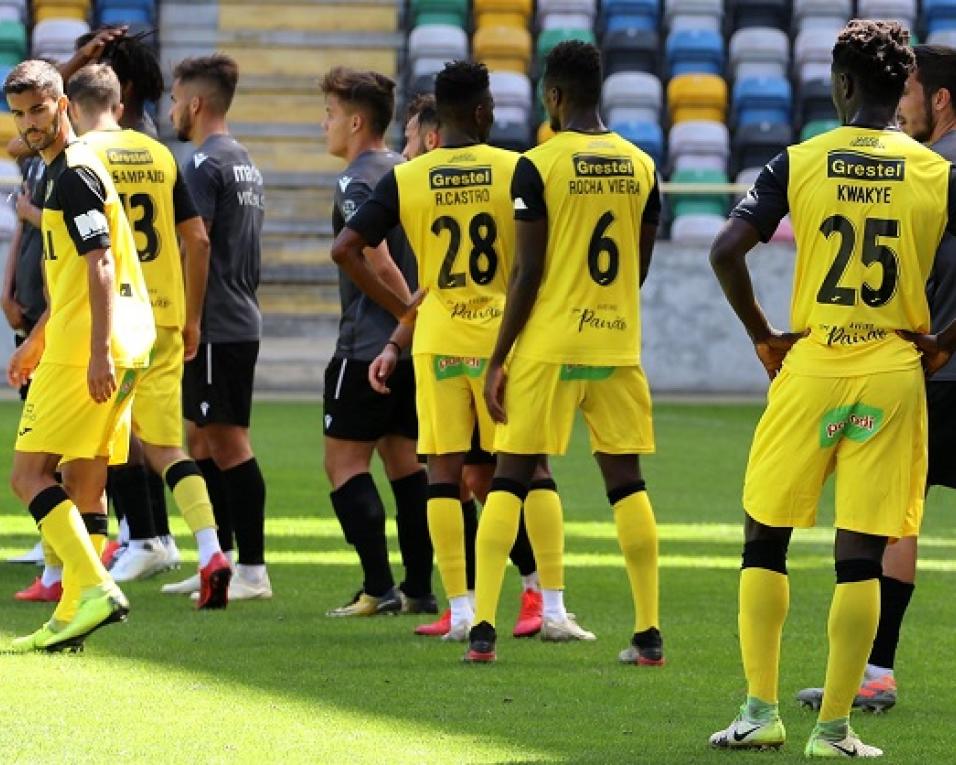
(228, 191)
(364, 326)
(941, 285)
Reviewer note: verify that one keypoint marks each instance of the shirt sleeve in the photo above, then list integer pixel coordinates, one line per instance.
(184, 207)
(379, 214)
(527, 192)
(951, 202)
(82, 197)
(204, 184)
(652, 209)
(766, 203)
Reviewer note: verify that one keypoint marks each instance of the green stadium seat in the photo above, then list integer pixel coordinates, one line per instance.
(449, 8)
(816, 127)
(551, 37)
(438, 17)
(13, 42)
(699, 204)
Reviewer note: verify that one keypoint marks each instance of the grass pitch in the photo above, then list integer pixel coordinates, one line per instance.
(279, 682)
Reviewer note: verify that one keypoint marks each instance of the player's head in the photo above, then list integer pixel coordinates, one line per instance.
(202, 88)
(94, 91)
(463, 99)
(571, 82)
(34, 91)
(871, 61)
(421, 126)
(927, 104)
(358, 107)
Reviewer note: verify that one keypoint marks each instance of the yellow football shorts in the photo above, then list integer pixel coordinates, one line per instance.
(869, 430)
(541, 398)
(60, 418)
(158, 408)
(450, 402)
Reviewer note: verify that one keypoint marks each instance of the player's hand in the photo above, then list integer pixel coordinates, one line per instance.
(24, 204)
(933, 357)
(381, 369)
(495, 392)
(101, 378)
(772, 350)
(191, 336)
(14, 313)
(23, 361)
(95, 47)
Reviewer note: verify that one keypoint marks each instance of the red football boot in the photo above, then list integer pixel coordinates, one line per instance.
(528, 623)
(37, 593)
(436, 628)
(109, 552)
(214, 582)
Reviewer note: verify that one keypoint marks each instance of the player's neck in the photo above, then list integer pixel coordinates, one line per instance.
(210, 126)
(584, 122)
(105, 122)
(943, 127)
(359, 144)
(56, 148)
(877, 117)
(452, 135)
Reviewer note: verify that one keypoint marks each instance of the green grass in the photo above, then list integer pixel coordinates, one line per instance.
(278, 682)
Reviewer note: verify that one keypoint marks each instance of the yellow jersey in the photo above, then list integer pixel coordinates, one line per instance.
(596, 191)
(454, 205)
(82, 213)
(869, 208)
(155, 198)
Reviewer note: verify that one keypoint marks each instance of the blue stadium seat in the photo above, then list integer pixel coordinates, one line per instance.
(939, 15)
(695, 51)
(629, 21)
(761, 99)
(630, 14)
(647, 136)
(126, 11)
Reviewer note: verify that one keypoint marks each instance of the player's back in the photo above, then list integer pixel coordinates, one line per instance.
(455, 208)
(594, 189)
(145, 174)
(869, 208)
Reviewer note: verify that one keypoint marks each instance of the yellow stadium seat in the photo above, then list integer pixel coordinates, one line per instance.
(522, 7)
(496, 19)
(697, 97)
(503, 48)
(8, 131)
(545, 132)
(61, 11)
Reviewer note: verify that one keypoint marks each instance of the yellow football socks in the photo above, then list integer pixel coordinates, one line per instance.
(637, 536)
(50, 558)
(192, 498)
(544, 519)
(446, 526)
(764, 602)
(497, 530)
(63, 529)
(854, 615)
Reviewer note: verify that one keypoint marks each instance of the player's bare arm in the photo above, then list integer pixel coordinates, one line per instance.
(91, 52)
(196, 248)
(101, 375)
(646, 243)
(11, 308)
(531, 241)
(387, 270)
(383, 365)
(25, 358)
(348, 254)
(728, 259)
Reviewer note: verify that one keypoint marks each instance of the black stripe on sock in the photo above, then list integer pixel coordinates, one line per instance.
(443, 491)
(623, 492)
(44, 502)
(509, 485)
(857, 570)
(95, 523)
(179, 470)
(765, 553)
(546, 484)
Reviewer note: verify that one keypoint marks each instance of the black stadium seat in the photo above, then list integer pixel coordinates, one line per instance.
(756, 144)
(815, 101)
(631, 50)
(758, 13)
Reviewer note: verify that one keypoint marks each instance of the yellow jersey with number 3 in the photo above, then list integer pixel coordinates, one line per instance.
(869, 208)
(146, 175)
(455, 208)
(593, 190)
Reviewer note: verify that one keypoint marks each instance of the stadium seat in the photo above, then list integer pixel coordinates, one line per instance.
(639, 93)
(429, 18)
(759, 13)
(56, 38)
(76, 10)
(821, 13)
(510, 133)
(816, 127)
(503, 48)
(697, 229)
(520, 8)
(759, 52)
(566, 21)
(13, 10)
(551, 37)
(8, 129)
(631, 50)
(706, 11)
(456, 8)
(694, 51)
(424, 82)
(13, 42)
(647, 136)
(132, 11)
(942, 37)
(746, 177)
(699, 204)
(815, 101)
(903, 11)
(547, 8)
(492, 19)
(437, 41)
(761, 99)
(699, 144)
(511, 90)
(697, 97)
(757, 143)
(630, 14)
(812, 54)
(939, 15)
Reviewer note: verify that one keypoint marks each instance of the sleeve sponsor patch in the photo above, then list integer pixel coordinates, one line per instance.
(90, 224)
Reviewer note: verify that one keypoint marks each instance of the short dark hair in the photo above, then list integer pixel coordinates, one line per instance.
(218, 72)
(574, 66)
(370, 92)
(96, 87)
(878, 55)
(34, 74)
(936, 69)
(424, 107)
(460, 86)
(133, 61)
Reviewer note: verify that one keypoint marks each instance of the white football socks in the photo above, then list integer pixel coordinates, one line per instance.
(553, 605)
(208, 543)
(51, 575)
(461, 609)
(531, 581)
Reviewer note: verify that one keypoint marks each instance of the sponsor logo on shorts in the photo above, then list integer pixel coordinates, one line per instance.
(447, 367)
(581, 372)
(857, 422)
